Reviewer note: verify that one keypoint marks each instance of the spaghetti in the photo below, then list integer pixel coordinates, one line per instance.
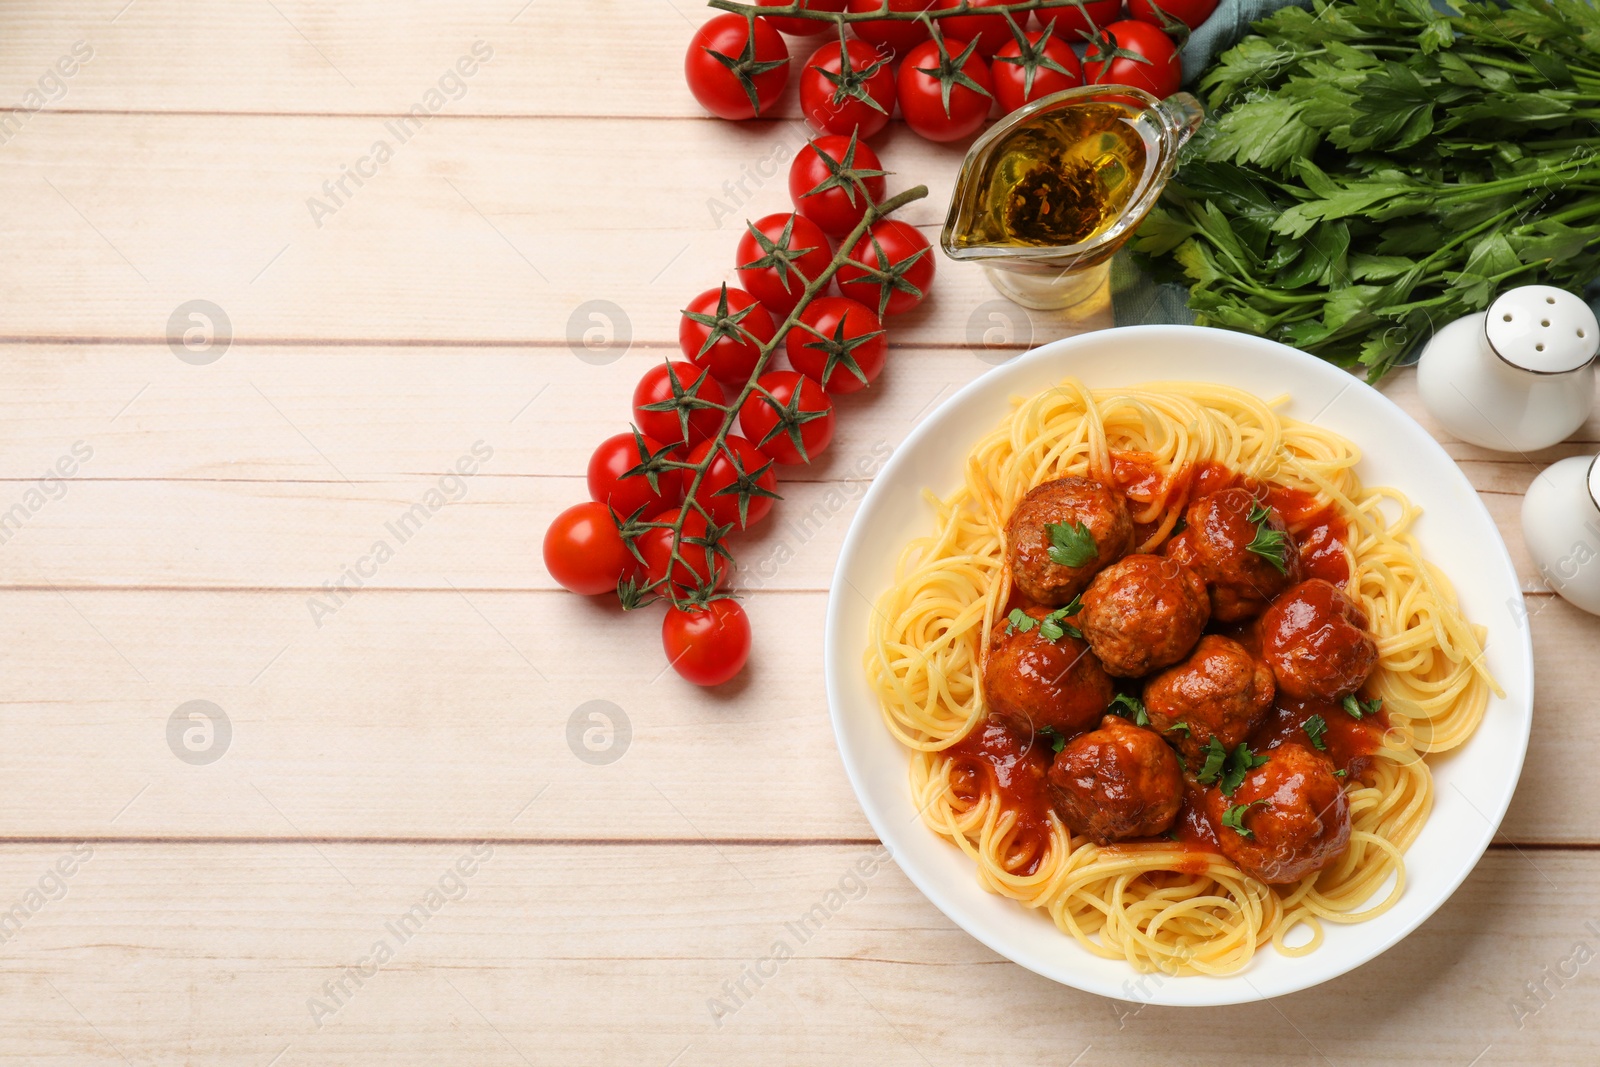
(1178, 906)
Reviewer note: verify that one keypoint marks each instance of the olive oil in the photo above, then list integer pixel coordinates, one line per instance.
(1061, 179)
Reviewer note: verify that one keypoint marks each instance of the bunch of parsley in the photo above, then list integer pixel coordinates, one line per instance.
(1372, 169)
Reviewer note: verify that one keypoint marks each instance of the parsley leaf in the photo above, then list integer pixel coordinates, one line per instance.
(1358, 707)
(1071, 544)
(1339, 773)
(1271, 545)
(1241, 761)
(1314, 728)
(1053, 629)
(1019, 621)
(1057, 740)
(1129, 707)
(1216, 755)
(1179, 726)
(1233, 818)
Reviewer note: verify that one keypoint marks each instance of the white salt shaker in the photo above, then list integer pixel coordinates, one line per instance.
(1518, 377)
(1561, 527)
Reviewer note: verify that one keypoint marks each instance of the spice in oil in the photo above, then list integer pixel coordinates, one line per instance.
(1060, 179)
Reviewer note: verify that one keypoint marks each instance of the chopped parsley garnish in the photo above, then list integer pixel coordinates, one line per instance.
(1051, 628)
(1057, 741)
(1019, 621)
(1240, 763)
(1339, 773)
(1071, 544)
(1129, 707)
(1314, 728)
(1216, 756)
(1233, 818)
(1358, 707)
(1178, 726)
(1271, 545)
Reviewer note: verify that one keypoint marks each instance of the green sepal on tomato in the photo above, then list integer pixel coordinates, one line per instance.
(584, 551)
(633, 473)
(678, 403)
(798, 27)
(1073, 24)
(833, 180)
(707, 644)
(739, 485)
(1033, 65)
(736, 67)
(1161, 13)
(989, 32)
(788, 417)
(847, 87)
(722, 331)
(702, 564)
(944, 89)
(779, 255)
(839, 343)
(1137, 54)
(896, 36)
(890, 268)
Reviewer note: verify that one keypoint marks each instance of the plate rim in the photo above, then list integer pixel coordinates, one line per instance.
(1198, 990)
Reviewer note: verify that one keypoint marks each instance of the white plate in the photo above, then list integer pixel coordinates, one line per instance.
(1473, 785)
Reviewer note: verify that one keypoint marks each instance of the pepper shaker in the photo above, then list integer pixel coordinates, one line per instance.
(1561, 527)
(1518, 377)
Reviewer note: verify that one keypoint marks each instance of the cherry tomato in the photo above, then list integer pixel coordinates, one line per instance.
(779, 255)
(698, 563)
(898, 37)
(1189, 12)
(722, 330)
(833, 180)
(990, 31)
(839, 343)
(707, 644)
(902, 268)
(737, 463)
(584, 552)
(1054, 67)
(792, 421)
(759, 72)
(797, 27)
(1072, 25)
(923, 100)
(858, 100)
(677, 389)
(1160, 77)
(628, 494)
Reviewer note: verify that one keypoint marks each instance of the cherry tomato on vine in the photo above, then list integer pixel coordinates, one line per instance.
(707, 644)
(622, 469)
(739, 486)
(584, 551)
(798, 27)
(722, 331)
(779, 255)
(671, 392)
(1070, 23)
(736, 68)
(847, 91)
(1159, 76)
(1189, 12)
(833, 180)
(788, 417)
(698, 563)
(899, 268)
(898, 37)
(944, 89)
(839, 343)
(990, 31)
(1024, 74)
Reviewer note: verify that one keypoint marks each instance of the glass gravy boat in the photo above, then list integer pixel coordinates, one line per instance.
(1047, 196)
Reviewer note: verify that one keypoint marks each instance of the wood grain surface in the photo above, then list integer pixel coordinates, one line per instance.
(405, 766)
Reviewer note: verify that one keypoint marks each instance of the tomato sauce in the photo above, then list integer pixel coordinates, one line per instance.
(1000, 761)
(1320, 530)
(1350, 742)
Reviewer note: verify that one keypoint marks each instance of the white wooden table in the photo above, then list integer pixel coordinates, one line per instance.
(408, 753)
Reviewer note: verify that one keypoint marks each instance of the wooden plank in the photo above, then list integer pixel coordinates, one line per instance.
(612, 955)
(443, 714)
(483, 230)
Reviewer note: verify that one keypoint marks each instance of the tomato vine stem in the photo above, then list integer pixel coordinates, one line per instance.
(883, 14)
(875, 213)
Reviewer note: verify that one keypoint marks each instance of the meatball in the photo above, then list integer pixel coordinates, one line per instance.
(1221, 691)
(1116, 782)
(1316, 642)
(1072, 505)
(1216, 545)
(1143, 613)
(1297, 820)
(1035, 683)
